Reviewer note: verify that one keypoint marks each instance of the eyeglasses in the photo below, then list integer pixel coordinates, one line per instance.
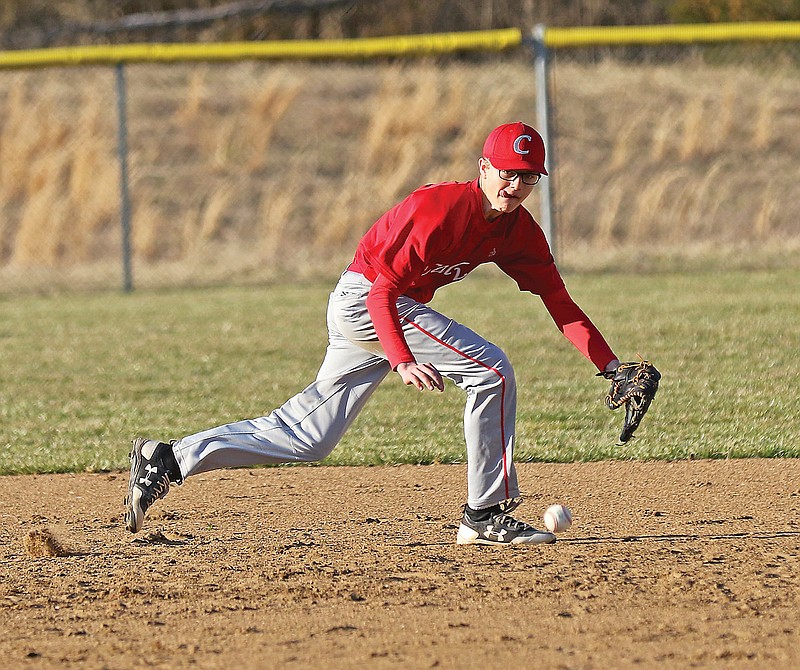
(529, 178)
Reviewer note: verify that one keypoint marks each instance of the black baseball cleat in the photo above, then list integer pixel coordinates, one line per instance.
(153, 468)
(498, 527)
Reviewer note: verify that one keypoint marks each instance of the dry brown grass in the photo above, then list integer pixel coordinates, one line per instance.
(679, 156)
(251, 169)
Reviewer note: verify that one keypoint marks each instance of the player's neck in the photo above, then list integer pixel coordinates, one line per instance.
(489, 212)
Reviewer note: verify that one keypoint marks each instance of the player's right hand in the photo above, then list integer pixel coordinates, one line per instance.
(423, 376)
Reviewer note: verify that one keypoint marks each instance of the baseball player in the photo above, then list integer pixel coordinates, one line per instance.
(379, 322)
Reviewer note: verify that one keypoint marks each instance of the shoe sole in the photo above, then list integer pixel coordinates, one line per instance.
(467, 535)
(134, 516)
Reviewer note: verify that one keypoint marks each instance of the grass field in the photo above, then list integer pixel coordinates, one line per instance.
(83, 374)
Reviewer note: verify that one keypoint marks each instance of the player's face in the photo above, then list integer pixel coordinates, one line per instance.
(503, 195)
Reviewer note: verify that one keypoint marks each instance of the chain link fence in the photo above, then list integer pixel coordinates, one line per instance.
(255, 171)
(673, 155)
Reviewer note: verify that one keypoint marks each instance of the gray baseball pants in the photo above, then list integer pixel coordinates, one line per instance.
(309, 425)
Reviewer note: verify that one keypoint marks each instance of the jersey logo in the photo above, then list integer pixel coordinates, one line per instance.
(447, 270)
(518, 144)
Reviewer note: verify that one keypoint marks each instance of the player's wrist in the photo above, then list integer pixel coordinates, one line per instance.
(610, 369)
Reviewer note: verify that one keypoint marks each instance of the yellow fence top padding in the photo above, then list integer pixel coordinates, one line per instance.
(404, 45)
(671, 34)
(407, 45)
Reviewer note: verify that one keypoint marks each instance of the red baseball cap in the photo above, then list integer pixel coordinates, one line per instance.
(515, 146)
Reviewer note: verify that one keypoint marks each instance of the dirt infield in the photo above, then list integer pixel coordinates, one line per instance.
(688, 564)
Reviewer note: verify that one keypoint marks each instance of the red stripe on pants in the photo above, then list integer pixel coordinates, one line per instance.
(502, 392)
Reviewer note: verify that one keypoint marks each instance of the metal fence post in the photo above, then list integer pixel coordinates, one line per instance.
(125, 204)
(542, 73)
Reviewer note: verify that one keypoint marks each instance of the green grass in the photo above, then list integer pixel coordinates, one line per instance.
(82, 374)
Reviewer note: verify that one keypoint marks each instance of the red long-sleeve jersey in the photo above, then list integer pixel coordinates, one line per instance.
(437, 236)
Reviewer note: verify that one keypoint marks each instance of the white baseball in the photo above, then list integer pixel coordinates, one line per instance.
(557, 518)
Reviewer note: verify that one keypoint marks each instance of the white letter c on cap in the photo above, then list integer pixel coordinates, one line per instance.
(518, 142)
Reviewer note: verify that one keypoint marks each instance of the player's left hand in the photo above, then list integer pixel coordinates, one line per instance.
(421, 376)
(633, 385)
